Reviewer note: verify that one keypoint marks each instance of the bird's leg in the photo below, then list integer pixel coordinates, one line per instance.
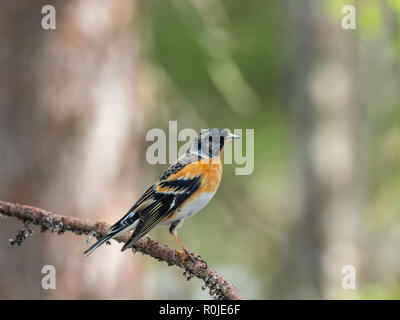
(185, 251)
(173, 231)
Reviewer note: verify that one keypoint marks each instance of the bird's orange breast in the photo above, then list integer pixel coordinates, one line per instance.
(210, 171)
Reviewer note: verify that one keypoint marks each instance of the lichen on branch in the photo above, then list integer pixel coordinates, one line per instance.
(219, 287)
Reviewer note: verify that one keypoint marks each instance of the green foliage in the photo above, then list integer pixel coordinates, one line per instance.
(233, 61)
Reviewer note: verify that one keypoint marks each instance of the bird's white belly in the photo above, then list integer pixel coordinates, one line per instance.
(190, 208)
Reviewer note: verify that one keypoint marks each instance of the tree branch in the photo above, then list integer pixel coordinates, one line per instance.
(219, 287)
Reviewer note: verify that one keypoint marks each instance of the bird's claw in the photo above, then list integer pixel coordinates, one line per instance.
(193, 257)
(185, 254)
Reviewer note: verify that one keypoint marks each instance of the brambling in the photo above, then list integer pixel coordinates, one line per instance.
(182, 190)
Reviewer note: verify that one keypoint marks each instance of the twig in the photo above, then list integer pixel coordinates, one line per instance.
(219, 287)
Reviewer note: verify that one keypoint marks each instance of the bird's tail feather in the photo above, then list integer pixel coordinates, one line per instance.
(132, 241)
(128, 244)
(117, 229)
(106, 237)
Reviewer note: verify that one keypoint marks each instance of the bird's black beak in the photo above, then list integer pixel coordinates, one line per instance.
(232, 136)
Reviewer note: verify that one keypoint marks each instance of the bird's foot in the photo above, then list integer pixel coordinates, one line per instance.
(186, 254)
(194, 257)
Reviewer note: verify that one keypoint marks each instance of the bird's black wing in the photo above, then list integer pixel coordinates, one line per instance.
(125, 224)
(157, 203)
(131, 216)
(166, 197)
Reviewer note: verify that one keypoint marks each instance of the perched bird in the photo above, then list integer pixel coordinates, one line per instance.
(182, 190)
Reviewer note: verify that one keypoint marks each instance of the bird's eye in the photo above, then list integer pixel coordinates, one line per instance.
(210, 152)
(221, 141)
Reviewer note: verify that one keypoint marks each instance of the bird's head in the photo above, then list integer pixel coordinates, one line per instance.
(210, 142)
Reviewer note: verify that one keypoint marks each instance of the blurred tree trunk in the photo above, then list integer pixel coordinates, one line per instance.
(72, 107)
(328, 122)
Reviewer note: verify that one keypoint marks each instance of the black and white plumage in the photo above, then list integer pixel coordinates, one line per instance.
(182, 190)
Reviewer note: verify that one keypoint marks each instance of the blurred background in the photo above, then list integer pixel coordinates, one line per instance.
(76, 104)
